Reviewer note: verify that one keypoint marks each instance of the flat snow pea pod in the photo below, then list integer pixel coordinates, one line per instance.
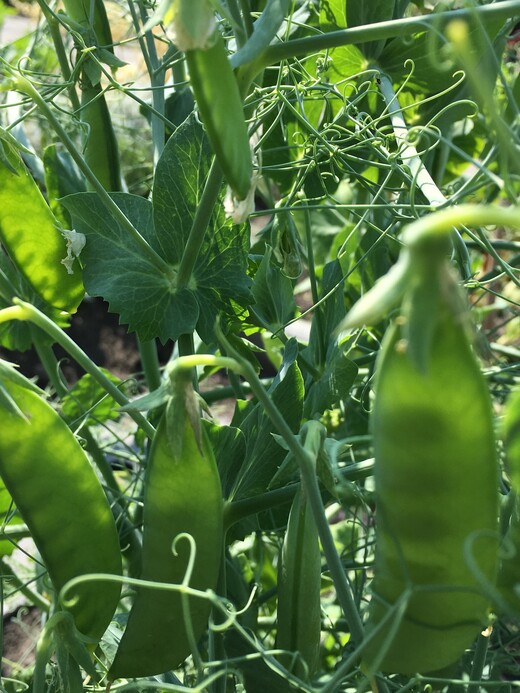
(62, 502)
(436, 492)
(299, 585)
(222, 112)
(30, 234)
(182, 494)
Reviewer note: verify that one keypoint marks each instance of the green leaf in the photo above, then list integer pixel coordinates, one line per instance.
(116, 269)
(333, 15)
(264, 31)
(273, 294)
(32, 239)
(263, 454)
(219, 278)
(87, 399)
(334, 384)
(229, 445)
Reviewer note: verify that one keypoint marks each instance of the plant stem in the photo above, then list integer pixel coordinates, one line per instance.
(479, 662)
(25, 311)
(382, 30)
(54, 28)
(200, 224)
(24, 85)
(150, 363)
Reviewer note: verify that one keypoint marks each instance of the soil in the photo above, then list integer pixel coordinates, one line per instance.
(100, 335)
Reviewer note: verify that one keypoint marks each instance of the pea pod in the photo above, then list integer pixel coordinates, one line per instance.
(37, 255)
(299, 584)
(221, 110)
(436, 490)
(182, 494)
(101, 150)
(62, 502)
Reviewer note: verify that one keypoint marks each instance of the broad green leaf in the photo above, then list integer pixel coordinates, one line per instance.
(229, 445)
(263, 454)
(32, 239)
(264, 31)
(334, 385)
(116, 269)
(273, 294)
(87, 399)
(333, 14)
(220, 275)
(338, 372)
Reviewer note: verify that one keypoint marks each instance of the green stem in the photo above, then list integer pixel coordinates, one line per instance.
(27, 312)
(24, 85)
(15, 532)
(156, 73)
(200, 224)
(54, 28)
(314, 286)
(150, 363)
(420, 175)
(439, 224)
(234, 511)
(479, 662)
(382, 30)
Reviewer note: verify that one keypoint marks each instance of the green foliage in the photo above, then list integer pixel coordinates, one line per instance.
(325, 242)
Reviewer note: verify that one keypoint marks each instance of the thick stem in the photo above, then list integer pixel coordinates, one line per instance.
(382, 30)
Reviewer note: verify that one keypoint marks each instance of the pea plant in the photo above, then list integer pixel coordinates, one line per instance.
(315, 212)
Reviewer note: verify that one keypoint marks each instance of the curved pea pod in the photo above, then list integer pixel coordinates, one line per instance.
(299, 586)
(31, 236)
(221, 110)
(62, 502)
(437, 502)
(182, 494)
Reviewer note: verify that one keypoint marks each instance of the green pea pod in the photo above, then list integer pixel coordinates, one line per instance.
(221, 110)
(437, 501)
(299, 585)
(62, 502)
(37, 255)
(101, 150)
(182, 494)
